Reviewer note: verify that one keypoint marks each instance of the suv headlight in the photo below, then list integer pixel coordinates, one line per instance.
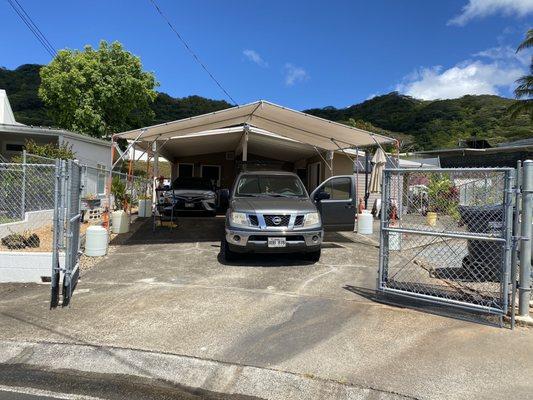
(238, 219)
(311, 219)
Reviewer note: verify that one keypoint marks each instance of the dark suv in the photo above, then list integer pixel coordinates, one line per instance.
(271, 212)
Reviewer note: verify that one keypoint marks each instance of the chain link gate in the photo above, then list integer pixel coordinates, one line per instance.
(446, 236)
(66, 239)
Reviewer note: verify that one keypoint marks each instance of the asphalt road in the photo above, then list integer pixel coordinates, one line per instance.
(36, 383)
(5, 395)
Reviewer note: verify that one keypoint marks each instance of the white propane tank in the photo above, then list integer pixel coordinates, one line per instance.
(120, 222)
(145, 208)
(365, 223)
(96, 241)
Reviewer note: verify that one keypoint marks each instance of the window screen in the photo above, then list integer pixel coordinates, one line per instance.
(101, 179)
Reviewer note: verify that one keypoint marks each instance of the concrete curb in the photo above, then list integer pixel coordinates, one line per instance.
(187, 371)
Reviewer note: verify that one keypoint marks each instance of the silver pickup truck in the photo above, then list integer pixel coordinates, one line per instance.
(271, 212)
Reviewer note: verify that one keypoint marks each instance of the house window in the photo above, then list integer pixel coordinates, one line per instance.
(14, 147)
(185, 170)
(211, 172)
(101, 178)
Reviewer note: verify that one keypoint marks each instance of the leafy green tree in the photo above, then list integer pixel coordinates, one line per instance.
(524, 90)
(98, 92)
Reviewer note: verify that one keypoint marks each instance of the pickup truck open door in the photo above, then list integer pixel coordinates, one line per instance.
(335, 199)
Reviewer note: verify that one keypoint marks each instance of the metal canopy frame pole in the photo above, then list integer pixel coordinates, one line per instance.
(323, 159)
(367, 192)
(121, 156)
(357, 179)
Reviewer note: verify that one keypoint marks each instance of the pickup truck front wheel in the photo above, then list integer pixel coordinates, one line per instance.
(227, 254)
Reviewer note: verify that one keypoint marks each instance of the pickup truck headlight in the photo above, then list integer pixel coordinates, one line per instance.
(311, 219)
(238, 219)
(210, 196)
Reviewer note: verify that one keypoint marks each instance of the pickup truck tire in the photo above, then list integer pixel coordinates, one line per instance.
(226, 252)
(313, 256)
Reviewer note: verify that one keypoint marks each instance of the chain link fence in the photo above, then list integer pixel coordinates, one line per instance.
(26, 206)
(447, 236)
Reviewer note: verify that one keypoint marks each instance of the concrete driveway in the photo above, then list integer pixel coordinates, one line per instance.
(169, 292)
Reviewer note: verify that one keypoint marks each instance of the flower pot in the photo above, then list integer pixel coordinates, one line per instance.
(145, 208)
(431, 218)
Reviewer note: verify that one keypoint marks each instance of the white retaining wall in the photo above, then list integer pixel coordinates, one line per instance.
(26, 266)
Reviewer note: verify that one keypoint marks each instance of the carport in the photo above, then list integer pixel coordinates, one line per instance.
(261, 129)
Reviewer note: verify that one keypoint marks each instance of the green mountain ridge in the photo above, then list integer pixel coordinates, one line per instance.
(418, 124)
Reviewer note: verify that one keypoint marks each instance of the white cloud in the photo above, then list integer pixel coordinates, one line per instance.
(294, 74)
(506, 53)
(491, 71)
(484, 8)
(255, 57)
(468, 77)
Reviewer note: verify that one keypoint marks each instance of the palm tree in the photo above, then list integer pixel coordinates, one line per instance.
(524, 90)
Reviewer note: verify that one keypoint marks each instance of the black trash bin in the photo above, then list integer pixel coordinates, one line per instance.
(484, 259)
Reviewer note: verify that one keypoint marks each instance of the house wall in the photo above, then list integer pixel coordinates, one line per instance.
(227, 173)
(89, 153)
(342, 165)
(230, 168)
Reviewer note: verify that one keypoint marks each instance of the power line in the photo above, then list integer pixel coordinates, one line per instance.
(32, 26)
(36, 27)
(196, 58)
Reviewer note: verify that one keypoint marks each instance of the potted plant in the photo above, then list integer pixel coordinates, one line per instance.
(145, 206)
(442, 198)
(91, 201)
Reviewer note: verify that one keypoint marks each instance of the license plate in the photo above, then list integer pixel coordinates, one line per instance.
(189, 205)
(277, 242)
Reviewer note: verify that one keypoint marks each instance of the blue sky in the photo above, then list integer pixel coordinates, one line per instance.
(300, 54)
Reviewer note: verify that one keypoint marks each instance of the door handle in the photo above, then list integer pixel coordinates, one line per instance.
(349, 206)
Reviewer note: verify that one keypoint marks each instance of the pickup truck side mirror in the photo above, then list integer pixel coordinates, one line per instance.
(223, 198)
(322, 195)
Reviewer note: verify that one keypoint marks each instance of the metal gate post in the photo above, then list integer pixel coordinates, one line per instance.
(23, 192)
(510, 177)
(54, 281)
(516, 239)
(383, 235)
(524, 289)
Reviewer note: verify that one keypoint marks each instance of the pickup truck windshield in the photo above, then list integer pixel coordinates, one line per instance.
(270, 185)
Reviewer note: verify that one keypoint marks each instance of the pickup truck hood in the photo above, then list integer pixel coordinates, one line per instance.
(272, 205)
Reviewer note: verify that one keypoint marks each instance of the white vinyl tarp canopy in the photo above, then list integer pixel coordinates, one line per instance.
(267, 116)
(259, 142)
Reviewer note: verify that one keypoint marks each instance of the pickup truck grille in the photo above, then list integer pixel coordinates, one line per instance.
(299, 221)
(277, 220)
(253, 220)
